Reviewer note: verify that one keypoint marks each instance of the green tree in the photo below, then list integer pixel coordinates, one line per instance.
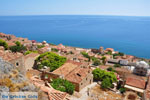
(117, 65)
(104, 60)
(96, 62)
(63, 85)
(110, 69)
(106, 83)
(18, 47)
(51, 60)
(100, 75)
(86, 55)
(122, 90)
(4, 44)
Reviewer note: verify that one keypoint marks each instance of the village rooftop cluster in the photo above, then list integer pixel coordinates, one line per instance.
(80, 67)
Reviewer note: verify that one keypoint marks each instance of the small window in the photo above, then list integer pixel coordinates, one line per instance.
(81, 83)
(17, 64)
(86, 78)
(78, 74)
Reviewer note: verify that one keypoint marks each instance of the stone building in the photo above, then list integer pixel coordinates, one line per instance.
(77, 74)
(141, 68)
(29, 60)
(17, 59)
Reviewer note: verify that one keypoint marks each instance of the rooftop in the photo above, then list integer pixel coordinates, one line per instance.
(8, 55)
(136, 82)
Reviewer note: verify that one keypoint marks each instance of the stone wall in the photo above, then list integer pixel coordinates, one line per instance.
(19, 64)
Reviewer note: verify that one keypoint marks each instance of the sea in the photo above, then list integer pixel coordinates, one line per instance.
(127, 34)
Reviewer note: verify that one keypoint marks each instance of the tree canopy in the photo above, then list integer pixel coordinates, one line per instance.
(18, 47)
(51, 60)
(63, 85)
(104, 76)
(4, 44)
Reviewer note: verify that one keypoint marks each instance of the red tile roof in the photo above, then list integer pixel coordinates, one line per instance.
(136, 82)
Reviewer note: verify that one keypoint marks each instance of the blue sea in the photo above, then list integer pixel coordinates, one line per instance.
(130, 35)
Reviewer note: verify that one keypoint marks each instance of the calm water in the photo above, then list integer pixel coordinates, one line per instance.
(130, 35)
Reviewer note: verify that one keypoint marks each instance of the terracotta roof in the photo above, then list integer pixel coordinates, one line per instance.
(103, 67)
(77, 75)
(52, 93)
(8, 55)
(148, 89)
(44, 49)
(66, 68)
(110, 49)
(136, 82)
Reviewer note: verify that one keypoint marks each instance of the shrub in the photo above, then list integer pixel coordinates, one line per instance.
(40, 46)
(106, 83)
(117, 65)
(107, 78)
(54, 50)
(86, 55)
(4, 44)
(51, 60)
(96, 62)
(104, 60)
(28, 52)
(110, 69)
(122, 90)
(63, 85)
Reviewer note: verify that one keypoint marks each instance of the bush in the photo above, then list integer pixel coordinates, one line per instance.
(4, 44)
(18, 48)
(122, 90)
(96, 62)
(86, 55)
(104, 60)
(28, 52)
(110, 69)
(106, 83)
(107, 78)
(54, 50)
(118, 54)
(51, 60)
(40, 46)
(63, 85)
(117, 65)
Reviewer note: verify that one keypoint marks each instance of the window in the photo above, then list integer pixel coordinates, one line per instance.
(17, 64)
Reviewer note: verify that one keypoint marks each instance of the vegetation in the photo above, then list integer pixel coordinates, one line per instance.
(122, 90)
(106, 83)
(18, 47)
(63, 85)
(86, 55)
(110, 69)
(28, 52)
(54, 50)
(117, 65)
(96, 62)
(4, 44)
(51, 60)
(109, 53)
(40, 46)
(118, 54)
(107, 78)
(104, 60)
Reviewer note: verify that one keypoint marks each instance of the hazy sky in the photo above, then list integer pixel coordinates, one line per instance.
(75, 7)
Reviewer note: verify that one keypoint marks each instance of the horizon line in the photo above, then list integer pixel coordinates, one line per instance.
(75, 15)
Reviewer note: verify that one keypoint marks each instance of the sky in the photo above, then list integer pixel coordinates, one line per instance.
(75, 7)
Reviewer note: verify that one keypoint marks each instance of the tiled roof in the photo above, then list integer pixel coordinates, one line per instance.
(52, 93)
(77, 75)
(148, 88)
(66, 68)
(135, 82)
(8, 55)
